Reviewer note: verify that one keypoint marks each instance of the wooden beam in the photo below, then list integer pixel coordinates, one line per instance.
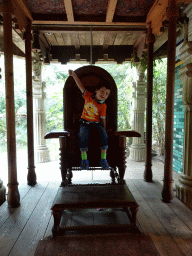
(157, 14)
(88, 23)
(58, 28)
(119, 52)
(69, 10)
(106, 40)
(24, 7)
(109, 18)
(111, 10)
(75, 40)
(20, 16)
(119, 38)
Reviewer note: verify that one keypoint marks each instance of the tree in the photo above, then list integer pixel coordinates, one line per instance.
(159, 103)
(55, 80)
(20, 104)
(123, 76)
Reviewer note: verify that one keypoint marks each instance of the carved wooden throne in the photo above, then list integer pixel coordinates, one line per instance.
(73, 106)
(85, 196)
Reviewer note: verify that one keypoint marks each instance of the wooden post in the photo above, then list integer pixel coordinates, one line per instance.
(167, 193)
(31, 168)
(13, 193)
(148, 172)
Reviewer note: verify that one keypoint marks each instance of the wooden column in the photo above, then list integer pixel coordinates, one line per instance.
(13, 193)
(30, 138)
(148, 171)
(167, 193)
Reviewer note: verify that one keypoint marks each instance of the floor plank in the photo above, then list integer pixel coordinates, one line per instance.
(174, 226)
(168, 225)
(13, 227)
(5, 212)
(182, 211)
(36, 226)
(151, 224)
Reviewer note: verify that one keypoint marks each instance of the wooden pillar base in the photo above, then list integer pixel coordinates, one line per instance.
(2, 193)
(122, 149)
(13, 197)
(148, 175)
(167, 192)
(184, 190)
(63, 160)
(31, 178)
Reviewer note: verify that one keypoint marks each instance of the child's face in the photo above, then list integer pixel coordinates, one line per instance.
(102, 93)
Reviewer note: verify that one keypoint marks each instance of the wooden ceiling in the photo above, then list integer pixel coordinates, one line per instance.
(112, 27)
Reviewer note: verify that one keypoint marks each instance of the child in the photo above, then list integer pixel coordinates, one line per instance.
(93, 118)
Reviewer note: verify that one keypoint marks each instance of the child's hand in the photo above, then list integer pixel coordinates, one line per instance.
(71, 72)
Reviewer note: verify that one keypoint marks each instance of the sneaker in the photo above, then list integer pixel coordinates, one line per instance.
(84, 165)
(104, 164)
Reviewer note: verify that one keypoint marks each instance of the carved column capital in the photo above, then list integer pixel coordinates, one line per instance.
(140, 72)
(37, 68)
(186, 73)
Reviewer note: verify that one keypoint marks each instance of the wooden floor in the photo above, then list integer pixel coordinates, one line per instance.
(169, 225)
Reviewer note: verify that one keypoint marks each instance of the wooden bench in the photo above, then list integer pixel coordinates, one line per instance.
(93, 196)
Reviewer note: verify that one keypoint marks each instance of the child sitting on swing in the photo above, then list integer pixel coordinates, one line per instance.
(93, 119)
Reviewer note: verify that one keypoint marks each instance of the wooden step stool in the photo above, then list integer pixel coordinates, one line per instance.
(93, 196)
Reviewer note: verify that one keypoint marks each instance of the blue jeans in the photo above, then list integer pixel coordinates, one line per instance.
(86, 129)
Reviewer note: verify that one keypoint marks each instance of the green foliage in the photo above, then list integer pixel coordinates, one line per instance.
(20, 105)
(143, 61)
(159, 102)
(55, 77)
(55, 80)
(123, 76)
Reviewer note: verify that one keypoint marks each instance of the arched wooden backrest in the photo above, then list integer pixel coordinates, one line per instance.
(90, 76)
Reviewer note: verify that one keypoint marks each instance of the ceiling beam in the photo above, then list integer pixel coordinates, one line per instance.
(159, 9)
(159, 13)
(69, 10)
(75, 40)
(57, 28)
(22, 4)
(118, 53)
(88, 23)
(111, 10)
(106, 40)
(109, 18)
